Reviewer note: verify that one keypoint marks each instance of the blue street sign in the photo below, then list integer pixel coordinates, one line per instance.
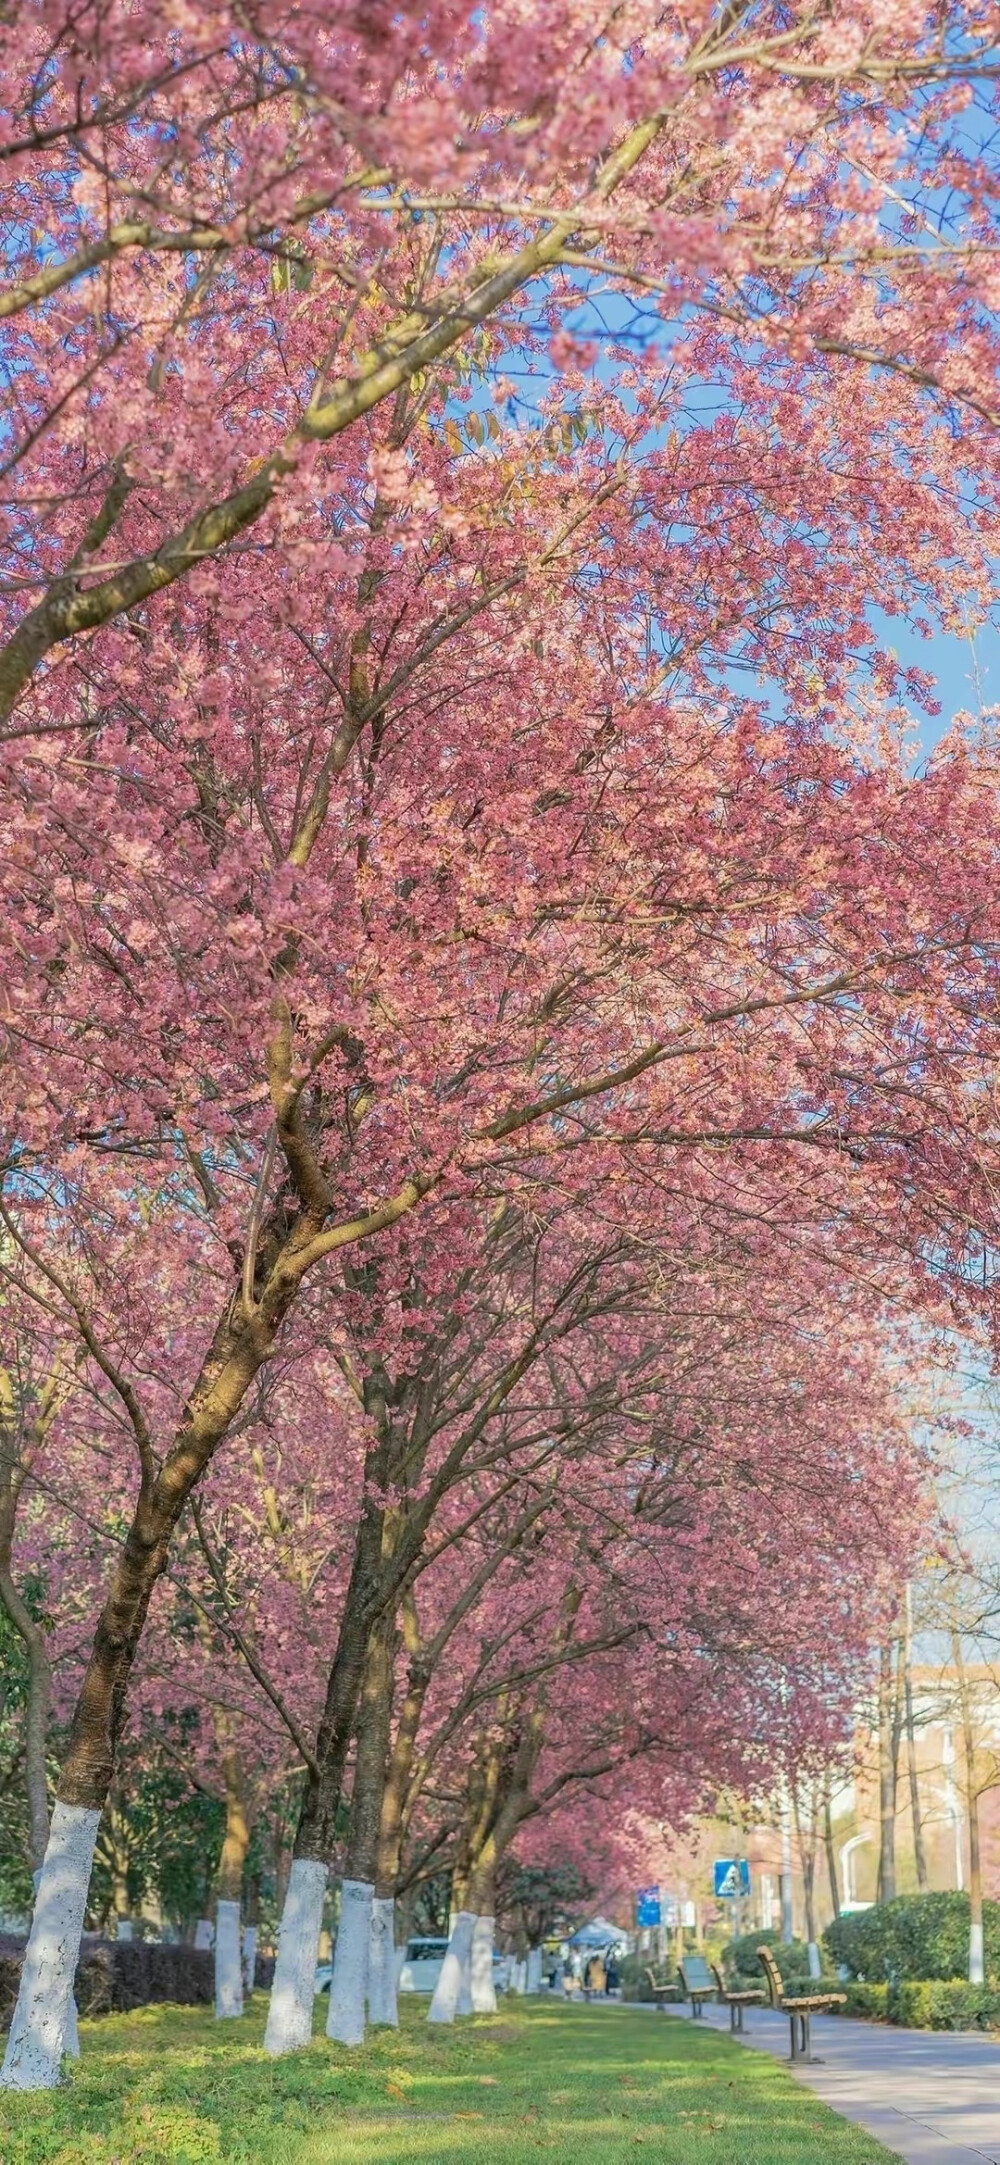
(647, 1906)
(732, 1877)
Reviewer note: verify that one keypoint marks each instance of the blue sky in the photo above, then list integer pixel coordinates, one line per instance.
(968, 671)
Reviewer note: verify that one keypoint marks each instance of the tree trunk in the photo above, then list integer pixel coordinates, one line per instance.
(787, 1909)
(977, 1950)
(290, 2010)
(36, 1719)
(887, 1769)
(348, 1991)
(250, 1932)
(977, 1968)
(120, 1905)
(831, 1852)
(482, 1988)
(32, 1635)
(916, 1815)
(289, 2020)
(498, 1790)
(229, 1891)
(43, 2018)
(39, 2027)
(317, 1826)
(345, 2022)
(448, 1993)
(382, 2007)
(807, 1853)
(397, 1778)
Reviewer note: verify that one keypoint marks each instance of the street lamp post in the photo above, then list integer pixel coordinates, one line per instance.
(787, 1914)
(846, 1874)
(951, 1803)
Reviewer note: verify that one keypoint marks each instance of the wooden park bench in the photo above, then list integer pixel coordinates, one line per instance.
(736, 2000)
(698, 1982)
(661, 1988)
(798, 2006)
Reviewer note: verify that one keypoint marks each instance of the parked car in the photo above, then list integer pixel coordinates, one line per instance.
(419, 1971)
(422, 1964)
(421, 1967)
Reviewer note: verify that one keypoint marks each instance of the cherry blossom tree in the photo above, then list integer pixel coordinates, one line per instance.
(383, 829)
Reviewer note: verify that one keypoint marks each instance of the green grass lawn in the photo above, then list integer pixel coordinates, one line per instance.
(572, 2085)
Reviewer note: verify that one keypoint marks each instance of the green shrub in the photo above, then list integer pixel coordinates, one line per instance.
(634, 1980)
(924, 2003)
(862, 1999)
(937, 2003)
(635, 1984)
(114, 1976)
(920, 1936)
(739, 1958)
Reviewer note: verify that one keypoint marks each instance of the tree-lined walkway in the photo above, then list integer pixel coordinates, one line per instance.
(930, 2096)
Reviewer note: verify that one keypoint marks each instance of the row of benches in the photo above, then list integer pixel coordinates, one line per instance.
(701, 1981)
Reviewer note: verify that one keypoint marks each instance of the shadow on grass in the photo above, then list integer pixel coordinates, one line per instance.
(170, 2087)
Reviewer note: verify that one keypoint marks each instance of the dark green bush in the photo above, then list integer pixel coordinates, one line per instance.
(634, 1981)
(943, 2004)
(739, 1958)
(635, 1984)
(114, 1976)
(925, 2003)
(862, 1999)
(920, 1936)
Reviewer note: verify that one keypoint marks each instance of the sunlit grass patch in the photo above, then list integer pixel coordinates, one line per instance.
(169, 2086)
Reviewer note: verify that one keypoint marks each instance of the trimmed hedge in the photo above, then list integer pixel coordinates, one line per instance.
(938, 2003)
(863, 1999)
(919, 1936)
(113, 1976)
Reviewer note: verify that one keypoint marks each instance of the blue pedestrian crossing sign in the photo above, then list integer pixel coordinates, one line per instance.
(732, 1878)
(647, 1906)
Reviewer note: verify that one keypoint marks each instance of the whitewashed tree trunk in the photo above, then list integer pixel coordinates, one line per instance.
(814, 1958)
(228, 1967)
(42, 2019)
(345, 2021)
(71, 2040)
(465, 1982)
(448, 1994)
(249, 1956)
(204, 1934)
(519, 1978)
(533, 1978)
(123, 1929)
(977, 1966)
(382, 2007)
(290, 2013)
(483, 1990)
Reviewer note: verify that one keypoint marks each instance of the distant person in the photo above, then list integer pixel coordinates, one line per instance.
(612, 1978)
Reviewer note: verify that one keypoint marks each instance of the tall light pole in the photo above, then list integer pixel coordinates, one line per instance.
(787, 1914)
(951, 1803)
(846, 1873)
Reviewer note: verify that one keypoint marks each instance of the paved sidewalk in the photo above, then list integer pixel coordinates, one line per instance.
(931, 2096)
